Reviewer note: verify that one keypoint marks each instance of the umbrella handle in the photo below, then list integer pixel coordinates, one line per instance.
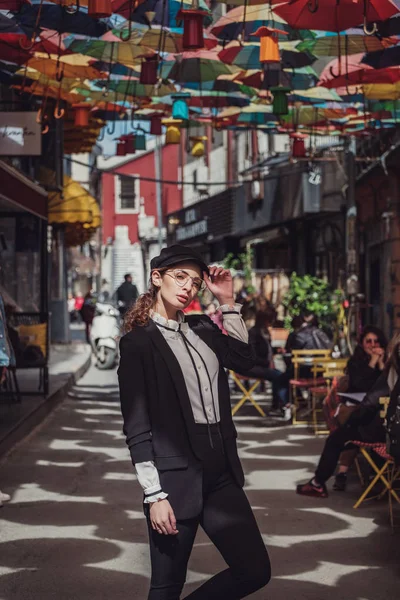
(29, 45)
(126, 39)
(369, 31)
(313, 6)
(70, 10)
(333, 75)
(112, 130)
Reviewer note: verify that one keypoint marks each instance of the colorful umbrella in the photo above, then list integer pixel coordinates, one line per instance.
(331, 15)
(351, 71)
(385, 58)
(198, 67)
(122, 52)
(244, 20)
(330, 44)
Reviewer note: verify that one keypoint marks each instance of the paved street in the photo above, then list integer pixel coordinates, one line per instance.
(75, 530)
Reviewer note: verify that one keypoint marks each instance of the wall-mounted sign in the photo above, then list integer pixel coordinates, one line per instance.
(20, 135)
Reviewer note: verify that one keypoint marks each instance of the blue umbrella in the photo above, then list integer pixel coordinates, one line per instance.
(57, 18)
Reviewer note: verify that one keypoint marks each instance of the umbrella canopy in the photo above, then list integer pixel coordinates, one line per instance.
(196, 67)
(332, 15)
(330, 44)
(385, 58)
(245, 20)
(55, 17)
(163, 39)
(122, 52)
(246, 55)
(351, 71)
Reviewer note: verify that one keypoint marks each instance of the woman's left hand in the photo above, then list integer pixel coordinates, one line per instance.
(220, 283)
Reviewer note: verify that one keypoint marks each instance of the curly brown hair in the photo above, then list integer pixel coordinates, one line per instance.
(139, 313)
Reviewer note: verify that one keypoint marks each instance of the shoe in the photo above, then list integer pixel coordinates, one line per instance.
(340, 482)
(309, 489)
(287, 413)
(4, 498)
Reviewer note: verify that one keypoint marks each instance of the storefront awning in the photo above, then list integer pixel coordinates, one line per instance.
(74, 206)
(21, 192)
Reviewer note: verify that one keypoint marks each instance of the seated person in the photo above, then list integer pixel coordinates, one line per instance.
(260, 340)
(363, 371)
(364, 424)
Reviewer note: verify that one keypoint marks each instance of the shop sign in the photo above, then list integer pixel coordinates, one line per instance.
(20, 134)
(193, 226)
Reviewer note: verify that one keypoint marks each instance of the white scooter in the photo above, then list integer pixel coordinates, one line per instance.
(104, 335)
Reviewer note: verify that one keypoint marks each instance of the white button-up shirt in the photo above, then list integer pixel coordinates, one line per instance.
(207, 372)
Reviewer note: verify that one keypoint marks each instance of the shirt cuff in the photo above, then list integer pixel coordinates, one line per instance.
(155, 497)
(231, 309)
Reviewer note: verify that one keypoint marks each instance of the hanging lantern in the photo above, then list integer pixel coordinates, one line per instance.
(100, 9)
(81, 117)
(12, 5)
(198, 149)
(121, 147)
(269, 47)
(130, 143)
(280, 103)
(193, 21)
(180, 109)
(140, 142)
(155, 125)
(298, 145)
(173, 133)
(148, 72)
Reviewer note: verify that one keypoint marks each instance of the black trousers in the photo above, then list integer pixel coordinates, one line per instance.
(229, 522)
(335, 443)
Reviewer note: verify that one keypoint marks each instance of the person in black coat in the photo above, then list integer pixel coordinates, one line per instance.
(127, 294)
(364, 424)
(260, 340)
(178, 425)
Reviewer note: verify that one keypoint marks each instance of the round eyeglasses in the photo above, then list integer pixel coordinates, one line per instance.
(182, 278)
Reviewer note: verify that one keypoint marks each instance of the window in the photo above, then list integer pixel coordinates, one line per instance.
(127, 194)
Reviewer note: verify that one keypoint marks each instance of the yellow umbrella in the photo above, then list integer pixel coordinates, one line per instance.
(58, 70)
(382, 91)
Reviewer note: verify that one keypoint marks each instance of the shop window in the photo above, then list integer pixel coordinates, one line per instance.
(127, 194)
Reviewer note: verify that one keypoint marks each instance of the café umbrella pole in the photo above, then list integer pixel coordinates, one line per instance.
(157, 159)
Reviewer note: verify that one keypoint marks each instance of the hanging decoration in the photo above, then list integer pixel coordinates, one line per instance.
(81, 110)
(155, 125)
(280, 103)
(269, 46)
(198, 148)
(100, 9)
(193, 27)
(298, 144)
(173, 133)
(121, 146)
(148, 72)
(180, 108)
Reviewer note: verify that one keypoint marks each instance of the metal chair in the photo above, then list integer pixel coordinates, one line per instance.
(308, 358)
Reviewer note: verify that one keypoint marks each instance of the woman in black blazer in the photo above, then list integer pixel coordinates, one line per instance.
(179, 429)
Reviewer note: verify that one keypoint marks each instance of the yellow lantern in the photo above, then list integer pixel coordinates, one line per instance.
(198, 149)
(173, 133)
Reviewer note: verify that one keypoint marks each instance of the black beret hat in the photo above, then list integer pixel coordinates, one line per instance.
(174, 255)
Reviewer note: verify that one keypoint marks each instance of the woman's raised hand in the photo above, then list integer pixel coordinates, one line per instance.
(162, 518)
(220, 283)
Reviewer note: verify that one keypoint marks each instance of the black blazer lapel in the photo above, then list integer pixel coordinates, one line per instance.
(172, 363)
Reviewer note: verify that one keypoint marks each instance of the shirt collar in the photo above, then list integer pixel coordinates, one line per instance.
(170, 323)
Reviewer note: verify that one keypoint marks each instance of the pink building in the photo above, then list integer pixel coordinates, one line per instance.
(129, 209)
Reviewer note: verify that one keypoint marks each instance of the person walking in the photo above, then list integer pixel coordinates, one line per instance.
(178, 425)
(7, 359)
(88, 311)
(127, 294)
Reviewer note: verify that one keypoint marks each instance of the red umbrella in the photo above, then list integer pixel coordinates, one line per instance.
(335, 15)
(351, 71)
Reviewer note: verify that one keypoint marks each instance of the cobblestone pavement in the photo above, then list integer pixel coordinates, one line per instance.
(75, 530)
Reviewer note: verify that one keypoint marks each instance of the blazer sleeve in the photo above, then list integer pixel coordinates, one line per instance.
(134, 401)
(233, 353)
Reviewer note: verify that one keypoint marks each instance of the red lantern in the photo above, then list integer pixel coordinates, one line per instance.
(193, 36)
(99, 8)
(298, 145)
(155, 125)
(11, 5)
(148, 72)
(121, 147)
(129, 143)
(82, 110)
(269, 47)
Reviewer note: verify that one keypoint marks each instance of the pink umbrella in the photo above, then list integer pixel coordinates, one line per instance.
(351, 71)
